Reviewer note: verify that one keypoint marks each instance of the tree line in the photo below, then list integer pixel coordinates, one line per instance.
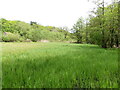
(102, 27)
(13, 31)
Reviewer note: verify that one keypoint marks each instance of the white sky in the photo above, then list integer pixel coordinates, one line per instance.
(57, 13)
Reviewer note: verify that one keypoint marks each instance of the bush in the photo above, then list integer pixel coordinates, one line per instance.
(22, 39)
(34, 35)
(10, 37)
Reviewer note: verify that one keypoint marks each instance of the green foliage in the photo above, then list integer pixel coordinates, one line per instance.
(34, 31)
(8, 26)
(10, 37)
(79, 29)
(22, 28)
(35, 35)
(102, 27)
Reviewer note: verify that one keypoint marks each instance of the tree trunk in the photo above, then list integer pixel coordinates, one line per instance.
(104, 45)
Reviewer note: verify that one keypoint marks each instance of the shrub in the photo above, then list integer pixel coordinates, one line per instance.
(22, 39)
(34, 35)
(10, 37)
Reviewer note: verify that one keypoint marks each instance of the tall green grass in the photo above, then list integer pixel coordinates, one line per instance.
(58, 65)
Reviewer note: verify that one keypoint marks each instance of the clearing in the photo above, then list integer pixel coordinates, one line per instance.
(58, 65)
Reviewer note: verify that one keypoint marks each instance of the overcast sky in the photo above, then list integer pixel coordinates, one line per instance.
(57, 13)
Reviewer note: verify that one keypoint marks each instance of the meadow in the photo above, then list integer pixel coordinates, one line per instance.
(58, 65)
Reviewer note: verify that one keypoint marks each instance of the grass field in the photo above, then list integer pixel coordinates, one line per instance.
(58, 65)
